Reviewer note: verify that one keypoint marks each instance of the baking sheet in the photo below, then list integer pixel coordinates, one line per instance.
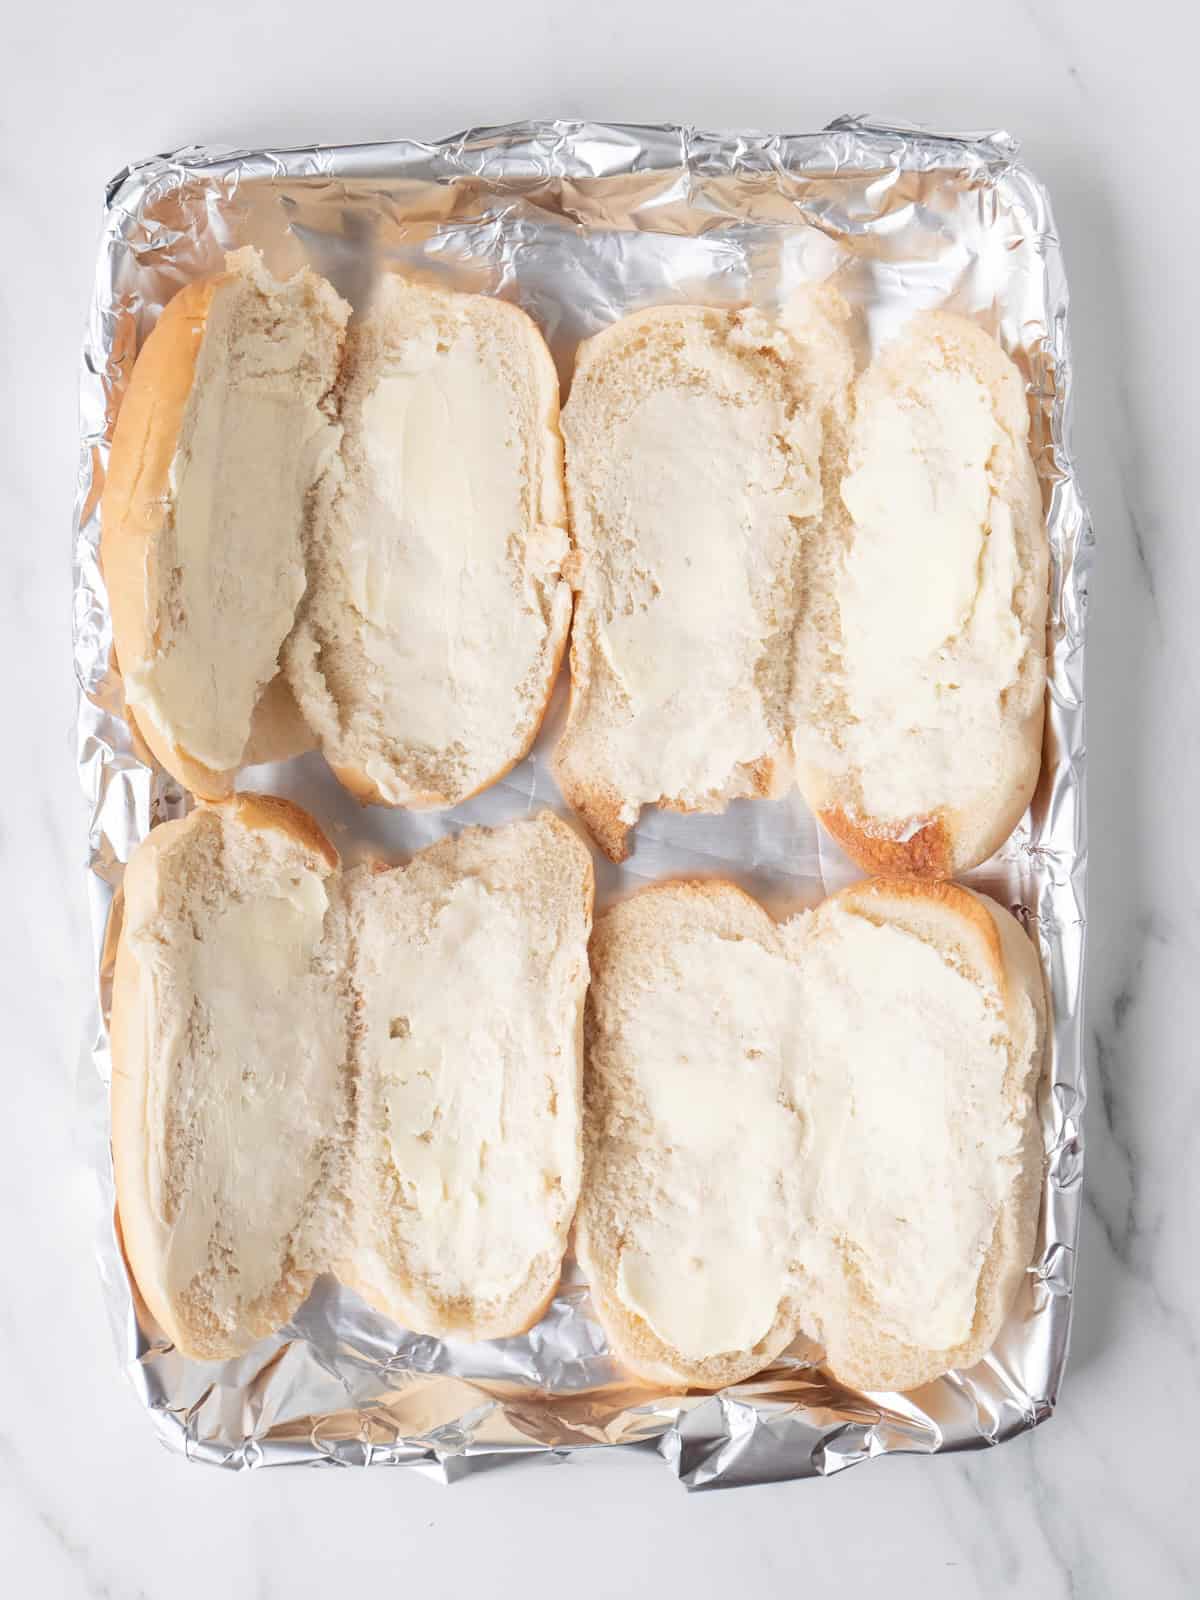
(580, 223)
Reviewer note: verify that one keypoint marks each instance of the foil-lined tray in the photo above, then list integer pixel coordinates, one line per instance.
(580, 223)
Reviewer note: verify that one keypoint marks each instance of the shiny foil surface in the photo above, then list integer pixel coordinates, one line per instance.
(580, 223)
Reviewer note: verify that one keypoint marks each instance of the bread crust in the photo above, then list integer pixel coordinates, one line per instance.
(278, 730)
(139, 1232)
(270, 811)
(927, 853)
(951, 841)
(134, 505)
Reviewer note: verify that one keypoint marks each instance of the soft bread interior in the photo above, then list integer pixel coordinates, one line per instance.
(217, 575)
(376, 1074)
(922, 1046)
(229, 1044)
(827, 1127)
(692, 1145)
(694, 470)
(918, 703)
(436, 614)
(471, 968)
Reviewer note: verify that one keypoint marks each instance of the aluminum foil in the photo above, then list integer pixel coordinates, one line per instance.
(580, 223)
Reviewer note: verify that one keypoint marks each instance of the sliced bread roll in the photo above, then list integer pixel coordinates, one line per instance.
(436, 615)
(924, 1019)
(693, 1148)
(825, 1127)
(375, 1074)
(696, 458)
(920, 686)
(231, 1084)
(471, 967)
(227, 423)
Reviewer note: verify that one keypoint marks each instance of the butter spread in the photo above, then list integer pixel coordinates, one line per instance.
(227, 574)
(831, 1123)
(707, 1267)
(930, 636)
(442, 563)
(236, 1080)
(477, 1081)
(696, 516)
(914, 1143)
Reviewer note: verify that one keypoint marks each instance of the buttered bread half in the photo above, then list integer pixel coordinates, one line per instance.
(696, 455)
(380, 512)
(826, 1126)
(228, 422)
(437, 612)
(374, 1073)
(920, 696)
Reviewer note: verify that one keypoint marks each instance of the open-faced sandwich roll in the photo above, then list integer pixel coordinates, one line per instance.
(436, 612)
(825, 1126)
(374, 1073)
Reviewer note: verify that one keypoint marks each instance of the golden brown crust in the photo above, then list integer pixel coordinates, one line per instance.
(195, 777)
(927, 853)
(269, 811)
(127, 1094)
(942, 893)
(134, 506)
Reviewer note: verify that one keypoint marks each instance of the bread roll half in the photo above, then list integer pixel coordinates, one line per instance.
(470, 964)
(436, 615)
(226, 425)
(375, 1074)
(921, 673)
(697, 452)
(231, 1088)
(826, 1126)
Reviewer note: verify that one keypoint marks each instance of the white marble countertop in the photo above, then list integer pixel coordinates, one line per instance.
(1102, 98)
